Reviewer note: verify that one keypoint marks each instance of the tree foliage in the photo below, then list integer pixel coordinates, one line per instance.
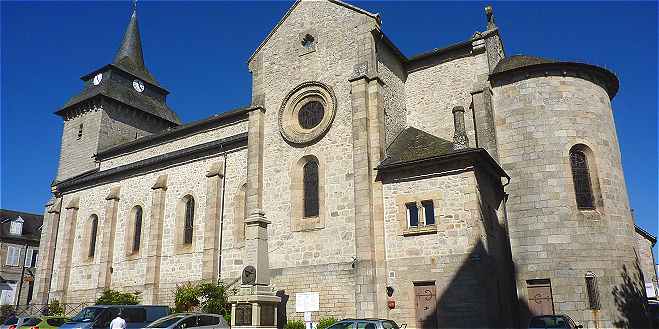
(294, 324)
(325, 323)
(55, 308)
(6, 311)
(113, 297)
(209, 297)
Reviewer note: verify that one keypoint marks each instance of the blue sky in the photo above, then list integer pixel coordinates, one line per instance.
(198, 50)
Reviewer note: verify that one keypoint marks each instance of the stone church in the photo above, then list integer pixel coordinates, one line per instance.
(459, 187)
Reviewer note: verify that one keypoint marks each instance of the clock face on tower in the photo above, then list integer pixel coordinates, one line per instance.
(98, 78)
(138, 85)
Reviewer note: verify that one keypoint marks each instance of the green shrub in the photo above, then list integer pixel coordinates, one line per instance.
(55, 308)
(294, 324)
(113, 297)
(210, 297)
(186, 297)
(326, 322)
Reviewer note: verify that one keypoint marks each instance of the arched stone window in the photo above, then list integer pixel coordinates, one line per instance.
(310, 186)
(584, 176)
(92, 235)
(137, 227)
(307, 193)
(188, 227)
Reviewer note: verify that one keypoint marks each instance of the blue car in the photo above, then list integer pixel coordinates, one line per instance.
(99, 316)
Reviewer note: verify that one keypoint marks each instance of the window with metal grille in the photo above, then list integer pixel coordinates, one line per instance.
(429, 211)
(310, 185)
(593, 291)
(311, 114)
(412, 214)
(581, 177)
(137, 236)
(92, 236)
(189, 220)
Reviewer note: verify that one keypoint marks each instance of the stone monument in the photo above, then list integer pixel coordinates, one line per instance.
(255, 305)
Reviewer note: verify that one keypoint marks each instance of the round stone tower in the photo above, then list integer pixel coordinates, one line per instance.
(571, 229)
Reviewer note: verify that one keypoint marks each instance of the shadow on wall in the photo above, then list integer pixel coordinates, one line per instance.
(630, 300)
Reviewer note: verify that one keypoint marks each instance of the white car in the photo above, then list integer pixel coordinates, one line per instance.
(190, 320)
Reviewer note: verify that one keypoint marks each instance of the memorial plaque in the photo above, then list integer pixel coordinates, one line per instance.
(243, 315)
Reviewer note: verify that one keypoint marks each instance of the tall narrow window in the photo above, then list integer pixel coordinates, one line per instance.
(593, 291)
(80, 131)
(137, 235)
(581, 177)
(310, 182)
(92, 236)
(189, 220)
(429, 211)
(412, 214)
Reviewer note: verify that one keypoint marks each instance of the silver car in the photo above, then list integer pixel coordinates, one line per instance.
(190, 320)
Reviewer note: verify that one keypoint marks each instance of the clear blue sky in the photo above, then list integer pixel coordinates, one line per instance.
(198, 50)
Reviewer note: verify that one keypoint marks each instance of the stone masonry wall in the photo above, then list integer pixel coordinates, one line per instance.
(646, 260)
(76, 153)
(538, 121)
(393, 74)
(122, 124)
(433, 91)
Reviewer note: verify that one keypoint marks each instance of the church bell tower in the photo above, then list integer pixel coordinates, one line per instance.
(120, 102)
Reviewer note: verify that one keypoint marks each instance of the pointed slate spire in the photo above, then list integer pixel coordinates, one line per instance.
(130, 56)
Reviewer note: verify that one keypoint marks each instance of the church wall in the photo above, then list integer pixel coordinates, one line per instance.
(76, 154)
(178, 264)
(538, 121)
(446, 255)
(343, 41)
(176, 144)
(121, 125)
(393, 74)
(646, 261)
(434, 89)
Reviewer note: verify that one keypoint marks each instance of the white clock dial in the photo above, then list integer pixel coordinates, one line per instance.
(138, 85)
(98, 78)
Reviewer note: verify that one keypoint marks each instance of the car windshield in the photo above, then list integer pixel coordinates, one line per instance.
(553, 322)
(31, 322)
(87, 314)
(342, 325)
(166, 322)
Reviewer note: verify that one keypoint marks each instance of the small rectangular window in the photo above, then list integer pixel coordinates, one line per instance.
(429, 211)
(412, 214)
(80, 131)
(13, 254)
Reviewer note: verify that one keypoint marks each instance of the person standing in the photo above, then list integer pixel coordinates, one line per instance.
(118, 322)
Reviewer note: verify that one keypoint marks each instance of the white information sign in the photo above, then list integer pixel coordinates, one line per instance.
(307, 302)
(649, 290)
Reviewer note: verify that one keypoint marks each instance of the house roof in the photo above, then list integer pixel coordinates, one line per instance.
(297, 2)
(31, 225)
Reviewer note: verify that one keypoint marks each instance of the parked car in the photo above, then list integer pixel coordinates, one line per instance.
(44, 322)
(190, 320)
(99, 316)
(653, 309)
(553, 322)
(365, 324)
(13, 322)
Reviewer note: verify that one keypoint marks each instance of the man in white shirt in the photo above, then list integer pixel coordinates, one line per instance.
(118, 322)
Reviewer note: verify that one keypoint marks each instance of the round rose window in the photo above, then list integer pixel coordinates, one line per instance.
(311, 114)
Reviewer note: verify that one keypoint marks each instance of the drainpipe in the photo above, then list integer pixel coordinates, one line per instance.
(224, 187)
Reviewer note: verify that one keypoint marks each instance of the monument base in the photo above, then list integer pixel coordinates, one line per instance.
(254, 307)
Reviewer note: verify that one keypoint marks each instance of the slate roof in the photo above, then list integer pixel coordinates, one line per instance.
(125, 94)
(31, 225)
(518, 61)
(413, 144)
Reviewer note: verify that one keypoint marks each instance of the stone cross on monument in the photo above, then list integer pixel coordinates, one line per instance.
(255, 305)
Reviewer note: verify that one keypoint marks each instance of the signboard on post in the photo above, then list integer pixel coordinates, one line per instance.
(307, 302)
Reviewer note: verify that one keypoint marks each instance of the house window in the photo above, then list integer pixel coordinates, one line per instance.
(80, 131)
(412, 214)
(310, 185)
(308, 41)
(92, 236)
(16, 226)
(593, 291)
(581, 177)
(428, 212)
(13, 254)
(189, 220)
(32, 257)
(137, 235)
